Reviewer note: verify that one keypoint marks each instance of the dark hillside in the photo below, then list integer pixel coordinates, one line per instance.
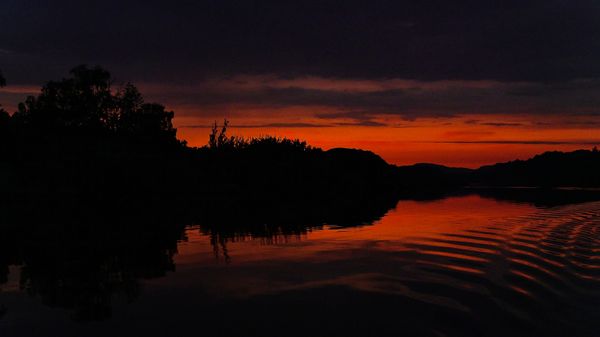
(551, 169)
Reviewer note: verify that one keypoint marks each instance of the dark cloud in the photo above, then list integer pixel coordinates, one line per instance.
(370, 102)
(531, 57)
(370, 123)
(584, 123)
(266, 125)
(354, 114)
(182, 41)
(522, 142)
(408, 102)
(359, 118)
(497, 124)
(501, 124)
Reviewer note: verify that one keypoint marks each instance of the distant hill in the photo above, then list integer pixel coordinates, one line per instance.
(550, 169)
(579, 168)
(431, 176)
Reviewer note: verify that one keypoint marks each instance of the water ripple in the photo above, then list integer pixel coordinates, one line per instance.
(533, 268)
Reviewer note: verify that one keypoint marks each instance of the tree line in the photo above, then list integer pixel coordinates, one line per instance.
(87, 101)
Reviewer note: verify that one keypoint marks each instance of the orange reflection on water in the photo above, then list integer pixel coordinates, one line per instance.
(409, 222)
(407, 239)
(465, 254)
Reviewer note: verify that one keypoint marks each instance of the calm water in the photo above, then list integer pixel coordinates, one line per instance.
(460, 266)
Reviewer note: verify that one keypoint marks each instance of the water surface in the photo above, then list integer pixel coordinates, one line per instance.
(459, 266)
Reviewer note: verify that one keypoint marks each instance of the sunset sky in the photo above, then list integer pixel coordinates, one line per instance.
(461, 83)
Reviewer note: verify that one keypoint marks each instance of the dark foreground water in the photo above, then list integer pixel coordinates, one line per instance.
(460, 266)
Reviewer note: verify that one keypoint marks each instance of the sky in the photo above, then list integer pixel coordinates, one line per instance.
(460, 83)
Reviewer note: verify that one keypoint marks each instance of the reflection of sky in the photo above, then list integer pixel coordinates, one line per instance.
(364, 257)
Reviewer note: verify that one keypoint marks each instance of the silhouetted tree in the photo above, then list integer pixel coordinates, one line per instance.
(4, 116)
(86, 101)
(218, 139)
(82, 101)
(135, 118)
(214, 139)
(130, 100)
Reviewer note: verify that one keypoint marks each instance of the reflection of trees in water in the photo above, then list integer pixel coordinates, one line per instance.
(276, 223)
(220, 239)
(83, 268)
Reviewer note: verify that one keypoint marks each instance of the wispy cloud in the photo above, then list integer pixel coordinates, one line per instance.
(368, 123)
(498, 124)
(522, 142)
(265, 125)
(350, 101)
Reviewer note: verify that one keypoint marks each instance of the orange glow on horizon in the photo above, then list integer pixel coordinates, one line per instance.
(448, 141)
(453, 123)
